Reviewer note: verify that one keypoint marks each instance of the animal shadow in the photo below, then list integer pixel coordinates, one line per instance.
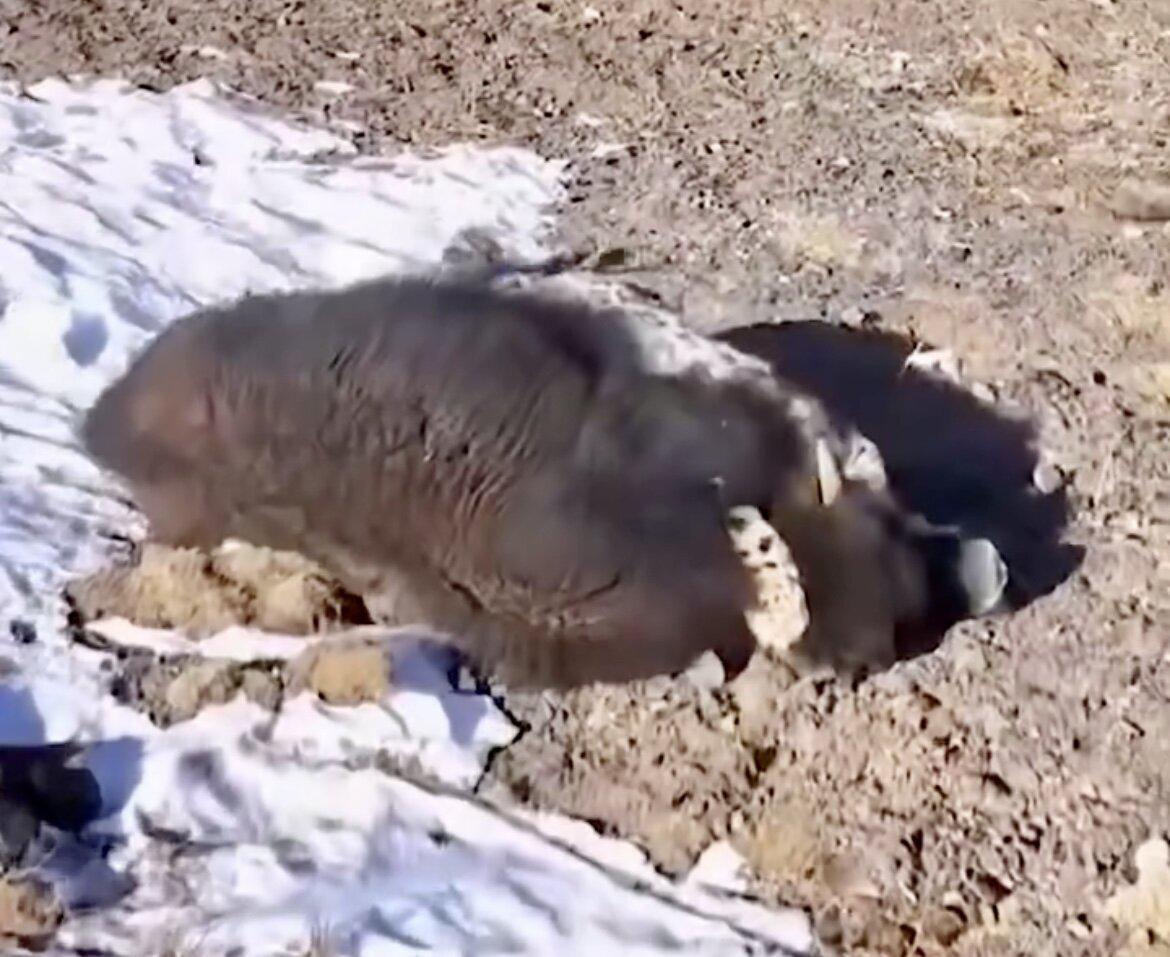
(949, 457)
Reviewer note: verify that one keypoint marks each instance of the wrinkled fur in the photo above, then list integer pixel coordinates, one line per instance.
(501, 464)
(499, 452)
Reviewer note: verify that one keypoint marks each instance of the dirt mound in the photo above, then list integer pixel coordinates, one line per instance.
(909, 813)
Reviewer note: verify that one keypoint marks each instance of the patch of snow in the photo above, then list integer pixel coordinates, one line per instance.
(333, 87)
(248, 832)
(722, 866)
(233, 644)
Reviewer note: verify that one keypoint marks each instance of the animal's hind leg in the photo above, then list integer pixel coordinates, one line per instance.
(403, 596)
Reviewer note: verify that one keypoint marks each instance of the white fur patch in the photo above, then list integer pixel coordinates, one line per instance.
(782, 614)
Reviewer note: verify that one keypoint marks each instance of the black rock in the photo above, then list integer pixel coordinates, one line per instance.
(40, 779)
(22, 632)
(18, 829)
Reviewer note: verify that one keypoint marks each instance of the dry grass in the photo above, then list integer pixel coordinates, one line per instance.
(200, 593)
(342, 672)
(1013, 73)
(1136, 306)
(182, 943)
(820, 240)
(30, 911)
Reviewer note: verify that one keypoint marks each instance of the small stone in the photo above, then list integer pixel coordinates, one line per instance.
(938, 363)
(657, 688)
(1046, 478)
(852, 316)
(863, 463)
(893, 682)
(754, 693)
(706, 673)
(983, 575)
(846, 875)
(943, 925)
(829, 926)
(22, 632)
(333, 87)
(261, 688)
(1135, 636)
(1079, 927)
(1144, 201)
(984, 393)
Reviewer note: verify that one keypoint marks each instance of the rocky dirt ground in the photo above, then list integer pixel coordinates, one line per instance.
(989, 178)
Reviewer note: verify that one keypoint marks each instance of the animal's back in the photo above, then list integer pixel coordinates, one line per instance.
(422, 382)
(448, 432)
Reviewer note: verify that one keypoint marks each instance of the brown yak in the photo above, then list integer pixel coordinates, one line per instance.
(507, 466)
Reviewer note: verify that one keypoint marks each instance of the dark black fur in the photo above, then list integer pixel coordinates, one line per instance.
(950, 458)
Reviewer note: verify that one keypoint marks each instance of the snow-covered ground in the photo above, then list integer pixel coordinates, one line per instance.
(120, 210)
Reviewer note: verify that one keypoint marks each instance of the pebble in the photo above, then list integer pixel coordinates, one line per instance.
(22, 632)
(1046, 478)
(707, 673)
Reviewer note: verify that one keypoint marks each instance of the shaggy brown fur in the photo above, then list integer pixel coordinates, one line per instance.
(554, 507)
(545, 501)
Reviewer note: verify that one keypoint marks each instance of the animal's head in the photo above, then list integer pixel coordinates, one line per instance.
(880, 583)
(157, 418)
(156, 428)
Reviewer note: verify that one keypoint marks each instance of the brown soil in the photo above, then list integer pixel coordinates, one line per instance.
(170, 688)
(988, 177)
(29, 912)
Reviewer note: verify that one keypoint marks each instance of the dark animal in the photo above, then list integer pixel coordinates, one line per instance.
(503, 461)
(954, 460)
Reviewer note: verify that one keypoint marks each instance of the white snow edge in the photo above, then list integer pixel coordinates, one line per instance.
(121, 210)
